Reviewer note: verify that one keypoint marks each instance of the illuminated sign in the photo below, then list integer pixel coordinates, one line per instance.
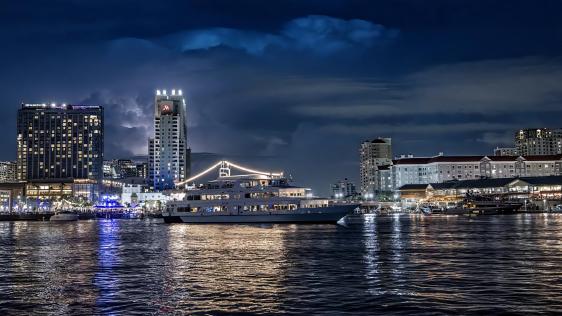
(166, 107)
(60, 106)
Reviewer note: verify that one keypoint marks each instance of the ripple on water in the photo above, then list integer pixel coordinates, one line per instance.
(392, 265)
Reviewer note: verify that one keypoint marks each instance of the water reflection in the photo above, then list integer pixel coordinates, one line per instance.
(371, 257)
(212, 267)
(40, 265)
(109, 252)
(390, 265)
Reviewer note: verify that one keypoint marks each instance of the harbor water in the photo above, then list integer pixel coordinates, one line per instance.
(403, 264)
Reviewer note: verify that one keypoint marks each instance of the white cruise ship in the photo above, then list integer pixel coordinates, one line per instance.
(252, 198)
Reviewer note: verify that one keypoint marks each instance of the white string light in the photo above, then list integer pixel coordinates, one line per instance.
(253, 171)
(228, 163)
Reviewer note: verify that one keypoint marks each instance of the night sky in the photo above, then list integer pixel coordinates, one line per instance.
(291, 85)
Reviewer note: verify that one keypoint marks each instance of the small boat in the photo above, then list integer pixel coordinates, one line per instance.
(64, 217)
(357, 218)
(426, 210)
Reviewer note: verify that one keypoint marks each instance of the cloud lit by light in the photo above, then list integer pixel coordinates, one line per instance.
(292, 87)
(312, 34)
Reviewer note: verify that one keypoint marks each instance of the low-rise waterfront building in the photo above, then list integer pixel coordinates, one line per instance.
(438, 169)
(51, 190)
(413, 193)
(423, 170)
(528, 188)
(12, 196)
(134, 194)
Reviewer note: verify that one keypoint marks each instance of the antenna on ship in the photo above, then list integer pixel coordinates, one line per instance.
(224, 170)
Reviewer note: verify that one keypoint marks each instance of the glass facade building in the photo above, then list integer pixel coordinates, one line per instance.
(59, 142)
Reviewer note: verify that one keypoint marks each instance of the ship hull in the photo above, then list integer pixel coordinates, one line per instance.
(25, 217)
(324, 215)
(64, 217)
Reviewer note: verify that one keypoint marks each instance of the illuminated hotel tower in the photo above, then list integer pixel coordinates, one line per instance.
(59, 142)
(169, 156)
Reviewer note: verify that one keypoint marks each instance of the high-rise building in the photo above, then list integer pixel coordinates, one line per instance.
(8, 171)
(127, 168)
(142, 169)
(169, 156)
(59, 142)
(124, 168)
(374, 154)
(343, 189)
(539, 141)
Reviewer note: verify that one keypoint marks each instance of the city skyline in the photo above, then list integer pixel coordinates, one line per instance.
(294, 87)
(170, 110)
(303, 157)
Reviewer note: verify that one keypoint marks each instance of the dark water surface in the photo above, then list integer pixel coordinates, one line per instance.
(402, 264)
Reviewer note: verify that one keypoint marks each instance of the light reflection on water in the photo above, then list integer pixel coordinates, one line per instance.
(108, 256)
(397, 264)
(372, 251)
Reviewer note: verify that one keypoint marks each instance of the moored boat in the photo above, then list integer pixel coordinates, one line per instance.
(64, 217)
(253, 198)
(480, 207)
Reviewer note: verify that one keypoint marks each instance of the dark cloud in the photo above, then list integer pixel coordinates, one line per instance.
(293, 85)
(127, 123)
